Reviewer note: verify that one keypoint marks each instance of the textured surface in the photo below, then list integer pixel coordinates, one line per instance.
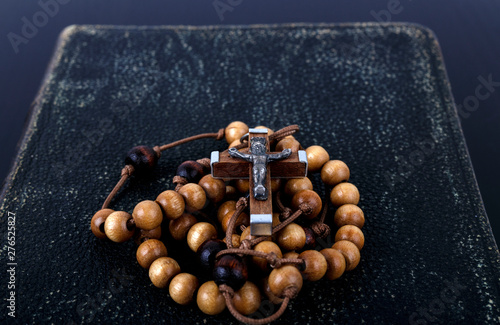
(375, 96)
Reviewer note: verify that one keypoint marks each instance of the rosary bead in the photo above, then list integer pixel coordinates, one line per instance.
(265, 247)
(295, 185)
(141, 235)
(147, 215)
(334, 172)
(315, 265)
(225, 208)
(179, 227)
(292, 237)
(190, 170)
(275, 184)
(209, 299)
(171, 203)
(247, 299)
(235, 130)
(149, 251)
(97, 223)
(350, 252)
(235, 143)
(310, 198)
(194, 196)
(269, 294)
(162, 270)
(235, 240)
(344, 193)
(292, 254)
(230, 270)
(310, 239)
(207, 252)
(199, 233)
(215, 189)
(317, 156)
(286, 279)
(116, 228)
(182, 288)
(288, 143)
(242, 185)
(231, 192)
(142, 158)
(243, 219)
(352, 234)
(349, 214)
(335, 261)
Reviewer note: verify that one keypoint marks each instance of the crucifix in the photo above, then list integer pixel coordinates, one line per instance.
(258, 166)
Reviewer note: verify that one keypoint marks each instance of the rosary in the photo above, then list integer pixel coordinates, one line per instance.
(266, 218)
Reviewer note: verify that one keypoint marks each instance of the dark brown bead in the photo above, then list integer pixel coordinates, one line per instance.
(310, 239)
(230, 270)
(179, 227)
(207, 252)
(143, 158)
(97, 223)
(191, 170)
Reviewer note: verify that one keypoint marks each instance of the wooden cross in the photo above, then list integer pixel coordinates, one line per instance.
(261, 210)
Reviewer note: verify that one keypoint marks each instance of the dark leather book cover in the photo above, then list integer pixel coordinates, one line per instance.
(373, 95)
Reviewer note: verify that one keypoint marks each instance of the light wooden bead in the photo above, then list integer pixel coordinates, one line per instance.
(344, 193)
(171, 203)
(179, 227)
(162, 270)
(235, 130)
(309, 198)
(116, 228)
(315, 265)
(317, 156)
(209, 299)
(215, 189)
(265, 247)
(225, 208)
(141, 235)
(292, 237)
(350, 252)
(295, 185)
(149, 251)
(292, 254)
(243, 219)
(235, 240)
(352, 234)
(247, 299)
(182, 288)
(242, 185)
(334, 172)
(285, 280)
(269, 294)
(288, 143)
(147, 215)
(97, 222)
(199, 233)
(335, 261)
(349, 214)
(194, 196)
(235, 143)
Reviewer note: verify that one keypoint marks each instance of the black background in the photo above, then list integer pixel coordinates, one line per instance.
(467, 31)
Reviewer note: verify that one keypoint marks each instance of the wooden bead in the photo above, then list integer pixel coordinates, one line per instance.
(276, 219)
(265, 247)
(352, 234)
(225, 208)
(344, 193)
(149, 251)
(162, 270)
(171, 203)
(349, 214)
(334, 172)
(179, 227)
(317, 156)
(350, 252)
(209, 299)
(116, 228)
(97, 222)
(286, 280)
(243, 219)
(315, 265)
(230, 270)
(309, 198)
(191, 170)
(269, 294)
(142, 235)
(275, 184)
(292, 237)
(247, 299)
(147, 215)
(207, 252)
(295, 185)
(310, 239)
(200, 232)
(235, 130)
(288, 143)
(231, 192)
(235, 143)
(182, 288)
(194, 196)
(292, 254)
(335, 261)
(235, 240)
(142, 158)
(242, 185)
(215, 189)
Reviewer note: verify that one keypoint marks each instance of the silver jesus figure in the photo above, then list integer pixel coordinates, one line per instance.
(259, 159)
